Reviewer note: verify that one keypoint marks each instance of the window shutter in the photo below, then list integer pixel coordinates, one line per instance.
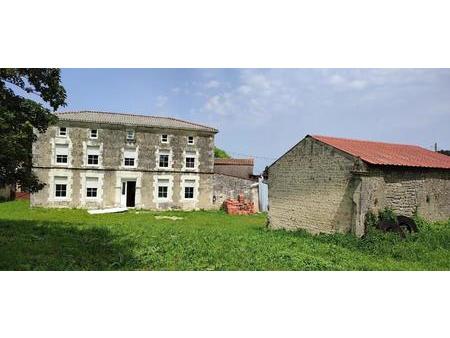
(62, 149)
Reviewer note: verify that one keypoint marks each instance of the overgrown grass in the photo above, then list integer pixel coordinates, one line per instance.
(65, 239)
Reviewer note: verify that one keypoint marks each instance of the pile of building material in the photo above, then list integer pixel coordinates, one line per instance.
(241, 206)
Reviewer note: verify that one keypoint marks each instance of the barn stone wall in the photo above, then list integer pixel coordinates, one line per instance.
(407, 190)
(311, 187)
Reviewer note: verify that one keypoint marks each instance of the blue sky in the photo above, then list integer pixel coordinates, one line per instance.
(263, 112)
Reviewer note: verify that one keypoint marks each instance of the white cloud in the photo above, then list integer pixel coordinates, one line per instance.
(212, 84)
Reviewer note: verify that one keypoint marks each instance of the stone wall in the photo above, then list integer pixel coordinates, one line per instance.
(110, 171)
(407, 190)
(311, 187)
(230, 187)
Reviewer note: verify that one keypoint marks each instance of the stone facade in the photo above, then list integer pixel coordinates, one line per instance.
(111, 169)
(230, 187)
(316, 187)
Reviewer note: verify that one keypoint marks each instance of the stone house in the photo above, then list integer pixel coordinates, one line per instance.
(327, 184)
(100, 160)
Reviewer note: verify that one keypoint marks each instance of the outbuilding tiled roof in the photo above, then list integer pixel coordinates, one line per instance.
(381, 153)
(233, 161)
(132, 120)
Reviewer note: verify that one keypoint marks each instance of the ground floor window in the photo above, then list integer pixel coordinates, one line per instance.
(163, 188)
(188, 192)
(60, 190)
(91, 192)
(162, 192)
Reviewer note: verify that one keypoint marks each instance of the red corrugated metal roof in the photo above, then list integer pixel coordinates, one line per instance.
(233, 161)
(381, 153)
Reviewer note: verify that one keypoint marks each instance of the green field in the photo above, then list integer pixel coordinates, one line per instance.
(67, 239)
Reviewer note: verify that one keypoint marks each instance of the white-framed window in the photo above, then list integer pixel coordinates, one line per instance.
(189, 189)
(61, 154)
(129, 157)
(190, 140)
(62, 132)
(190, 160)
(130, 135)
(93, 155)
(164, 138)
(163, 188)
(91, 187)
(164, 158)
(93, 133)
(60, 187)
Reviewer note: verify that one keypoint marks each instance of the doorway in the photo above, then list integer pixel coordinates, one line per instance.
(128, 194)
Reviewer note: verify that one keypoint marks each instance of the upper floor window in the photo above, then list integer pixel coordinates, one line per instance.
(62, 131)
(190, 160)
(129, 158)
(190, 139)
(164, 138)
(163, 160)
(93, 154)
(62, 153)
(130, 135)
(93, 133)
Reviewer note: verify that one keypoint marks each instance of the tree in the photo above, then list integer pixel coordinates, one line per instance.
(21, 117)
(219, 153)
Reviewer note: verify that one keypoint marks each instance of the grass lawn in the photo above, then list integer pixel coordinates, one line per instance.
(66, 239)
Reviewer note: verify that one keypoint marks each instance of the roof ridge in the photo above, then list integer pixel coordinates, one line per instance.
(361, 140)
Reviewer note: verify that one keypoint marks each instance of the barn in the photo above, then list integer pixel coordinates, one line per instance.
(328, 184)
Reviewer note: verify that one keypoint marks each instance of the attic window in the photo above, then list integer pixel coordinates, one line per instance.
(164, 138)
(94, 133)
(130, 135)
(190, 139)
(63, 131)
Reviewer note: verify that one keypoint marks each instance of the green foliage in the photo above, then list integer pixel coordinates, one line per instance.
(20, 115)
(71, 239)
(387, 215)
(219, 153)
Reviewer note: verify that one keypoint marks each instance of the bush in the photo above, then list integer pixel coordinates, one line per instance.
(387, 215)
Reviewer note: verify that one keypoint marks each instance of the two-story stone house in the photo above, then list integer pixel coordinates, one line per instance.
(100, 160)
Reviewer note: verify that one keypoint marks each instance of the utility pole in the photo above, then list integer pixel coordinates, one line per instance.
(435, 146)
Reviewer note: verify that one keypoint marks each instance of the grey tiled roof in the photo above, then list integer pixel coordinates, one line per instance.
(132, 120)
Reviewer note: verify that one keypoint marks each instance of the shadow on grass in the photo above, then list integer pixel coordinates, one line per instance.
(36, 245)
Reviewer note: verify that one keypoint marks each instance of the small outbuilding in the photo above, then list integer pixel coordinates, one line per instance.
(328, 184)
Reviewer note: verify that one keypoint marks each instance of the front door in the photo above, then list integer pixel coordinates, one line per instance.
(131, 193)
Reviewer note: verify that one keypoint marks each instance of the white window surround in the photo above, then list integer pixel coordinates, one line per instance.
(61, 146)
(59, 176)
(93, 134)
(131, 135)
(190, 181)
(164, 138)
(163, 151)
(91, 147)
(60, 151)
(87, 180)
(62, 132)
(162, 180)
(193, 154)
(190, 140)
(129, 153)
